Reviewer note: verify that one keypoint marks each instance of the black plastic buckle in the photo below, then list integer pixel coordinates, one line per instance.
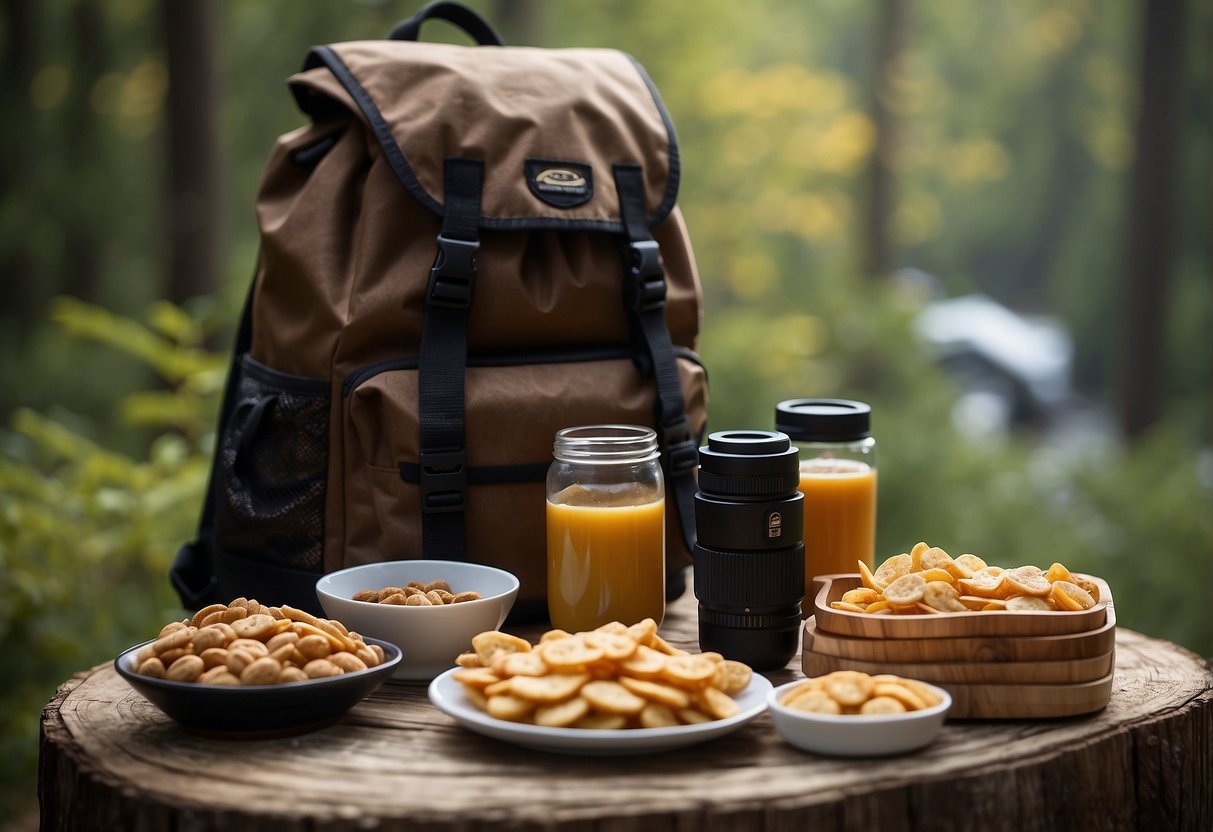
(444, 481)
(453, 275)
(681, 450)
(646, 288)
(683, 457)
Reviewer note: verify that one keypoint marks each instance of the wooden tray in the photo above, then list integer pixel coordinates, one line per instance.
(1075, 671)
(953, 624)
(974, 649)
(1028, 701)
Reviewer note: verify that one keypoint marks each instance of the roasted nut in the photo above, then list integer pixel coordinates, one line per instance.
(151, 667)
(208, 637)
(185, 669)
(437, 593)
(281, 639)
(178, 637)
(205, 612)
(320, 668)
(213, 657)
(260, 645)
(348, 662)
(264, 671)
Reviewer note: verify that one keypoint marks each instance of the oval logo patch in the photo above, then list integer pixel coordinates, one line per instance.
(559, 183)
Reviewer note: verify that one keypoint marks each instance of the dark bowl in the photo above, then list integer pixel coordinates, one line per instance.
(259, 711)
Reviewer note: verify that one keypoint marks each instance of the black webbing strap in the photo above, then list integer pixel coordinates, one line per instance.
(443, 358)
(644, 298)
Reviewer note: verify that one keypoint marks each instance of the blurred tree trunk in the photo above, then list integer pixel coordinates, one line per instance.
(877, 244)
(83, 228)
(195, 205)
(1152, 217)
(517, 21)
(16, 73)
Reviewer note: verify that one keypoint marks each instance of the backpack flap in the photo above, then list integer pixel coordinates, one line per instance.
(549, 125)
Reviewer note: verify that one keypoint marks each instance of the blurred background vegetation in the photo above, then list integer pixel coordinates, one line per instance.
(849, 169)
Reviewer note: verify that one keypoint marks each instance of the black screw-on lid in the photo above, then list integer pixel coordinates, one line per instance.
(748, 463)
(823, 420)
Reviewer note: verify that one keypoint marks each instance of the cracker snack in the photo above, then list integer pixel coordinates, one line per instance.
(614, 677)
(929, 580)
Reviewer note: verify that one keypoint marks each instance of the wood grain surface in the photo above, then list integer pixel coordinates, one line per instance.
(111, 760)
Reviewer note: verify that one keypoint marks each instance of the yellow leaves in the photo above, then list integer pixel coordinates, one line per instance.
(751, 275)
(773, 92)
(49, 87)
(791, 116)
(141, 98)
(1104, 116)
(847, 143)
(917, 218)
(976, 161)
(135, 98)
(1056, 30)
(820, 216)
(169, 347)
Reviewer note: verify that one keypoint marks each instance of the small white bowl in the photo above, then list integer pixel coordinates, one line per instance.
(858, 735)
(429, 637)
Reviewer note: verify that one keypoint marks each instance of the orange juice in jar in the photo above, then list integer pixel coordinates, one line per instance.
(838, 480)
(605, 527)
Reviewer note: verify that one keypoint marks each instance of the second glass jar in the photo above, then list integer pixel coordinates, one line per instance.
(605, 527)
(838, 480)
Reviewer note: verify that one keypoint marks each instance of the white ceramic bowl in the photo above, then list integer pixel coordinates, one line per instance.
(429, 637)
(857, 735)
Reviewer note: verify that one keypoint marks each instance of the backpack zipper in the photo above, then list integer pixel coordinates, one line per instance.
(517, 359)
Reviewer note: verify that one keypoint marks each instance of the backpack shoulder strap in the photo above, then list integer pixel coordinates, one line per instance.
(644, 298)
(443, 359)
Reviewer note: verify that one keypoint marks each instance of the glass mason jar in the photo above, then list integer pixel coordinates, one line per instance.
(605, 527)
(838, 480)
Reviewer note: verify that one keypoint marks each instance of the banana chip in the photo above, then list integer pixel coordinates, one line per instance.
(852, 692)
(927, 580)
(615, 677)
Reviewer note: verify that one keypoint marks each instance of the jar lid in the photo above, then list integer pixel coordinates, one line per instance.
(823, 420)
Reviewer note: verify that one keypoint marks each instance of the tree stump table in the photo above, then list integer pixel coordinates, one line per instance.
(111, 760)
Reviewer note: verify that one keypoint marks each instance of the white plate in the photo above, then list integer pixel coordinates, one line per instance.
(447, 694)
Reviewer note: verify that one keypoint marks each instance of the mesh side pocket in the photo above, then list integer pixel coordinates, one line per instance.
(272, 469)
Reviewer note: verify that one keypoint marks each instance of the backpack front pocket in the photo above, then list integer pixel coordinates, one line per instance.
(513, 409)
(272, 469)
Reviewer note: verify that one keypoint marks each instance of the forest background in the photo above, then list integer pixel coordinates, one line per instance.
(846, 166)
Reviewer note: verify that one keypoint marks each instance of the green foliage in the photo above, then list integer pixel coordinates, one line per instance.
(87, 533)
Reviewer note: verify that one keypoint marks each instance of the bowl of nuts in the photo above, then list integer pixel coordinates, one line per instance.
(851, 714)
(430, 609)
(250, 671)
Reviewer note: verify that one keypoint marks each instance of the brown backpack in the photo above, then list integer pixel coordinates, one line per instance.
(465, 250)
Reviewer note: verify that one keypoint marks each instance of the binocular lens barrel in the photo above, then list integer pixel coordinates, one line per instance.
(749, 558)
